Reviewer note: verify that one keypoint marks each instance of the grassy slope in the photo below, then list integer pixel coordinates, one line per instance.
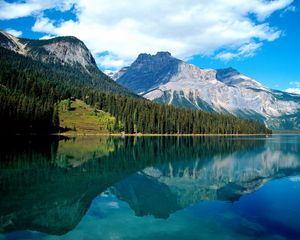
(80, 118)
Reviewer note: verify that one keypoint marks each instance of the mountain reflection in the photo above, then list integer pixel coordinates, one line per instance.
(48, 185)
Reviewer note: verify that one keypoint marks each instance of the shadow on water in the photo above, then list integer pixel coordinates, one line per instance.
(47, 185)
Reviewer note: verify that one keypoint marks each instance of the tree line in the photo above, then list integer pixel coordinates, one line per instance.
(30, 91)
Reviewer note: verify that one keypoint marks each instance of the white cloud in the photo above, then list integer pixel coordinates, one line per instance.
(246, 50)
(297, 84)
(111, 62)
(43, 24)
(29, 7)
(125, 28)
(293, 90)
(14, 32)
(290, 8)
(45, 37)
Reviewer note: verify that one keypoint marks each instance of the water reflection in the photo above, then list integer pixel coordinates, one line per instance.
(48, 185)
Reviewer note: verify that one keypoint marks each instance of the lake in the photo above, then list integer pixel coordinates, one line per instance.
(150, 188)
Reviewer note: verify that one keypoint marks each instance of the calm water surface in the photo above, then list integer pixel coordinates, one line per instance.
(150, 188)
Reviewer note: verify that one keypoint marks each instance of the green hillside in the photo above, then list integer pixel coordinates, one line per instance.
(76, 117)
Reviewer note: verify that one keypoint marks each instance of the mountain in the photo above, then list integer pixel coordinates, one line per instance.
(36, 75)
(64, 50)
(165, 79)
(109, 73)
(67, 53)
(148, 72)
(118, 74)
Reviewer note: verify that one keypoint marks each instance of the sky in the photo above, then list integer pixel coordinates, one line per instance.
(260, 38)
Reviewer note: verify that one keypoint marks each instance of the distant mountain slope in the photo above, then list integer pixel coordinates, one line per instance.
(67, 52)
(165, 79)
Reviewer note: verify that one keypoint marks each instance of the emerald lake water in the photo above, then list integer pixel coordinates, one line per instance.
(150, 188)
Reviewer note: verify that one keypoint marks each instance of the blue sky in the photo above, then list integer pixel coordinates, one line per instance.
(260, 38)
(277, 63)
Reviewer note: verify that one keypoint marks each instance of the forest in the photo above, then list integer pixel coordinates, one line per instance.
(31, 90)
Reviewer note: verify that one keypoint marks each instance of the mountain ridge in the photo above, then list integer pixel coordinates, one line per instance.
(159, 67)
(34, 85)
(67, 52)
(173, 81)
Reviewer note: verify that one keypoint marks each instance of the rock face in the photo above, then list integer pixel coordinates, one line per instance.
(63, 50)
(12, 43)
(64, 55)
(148, 72)
(165, 79)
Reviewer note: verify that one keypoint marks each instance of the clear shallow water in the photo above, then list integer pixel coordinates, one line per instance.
(151, 188)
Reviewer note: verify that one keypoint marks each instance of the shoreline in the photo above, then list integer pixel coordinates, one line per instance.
(153, 135)
(73, 134)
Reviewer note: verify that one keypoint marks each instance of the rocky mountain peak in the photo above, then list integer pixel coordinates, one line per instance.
(165, 79)
(144, 73)
(143, 57)
(63, 50)
(159, 56)
(163, 54)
